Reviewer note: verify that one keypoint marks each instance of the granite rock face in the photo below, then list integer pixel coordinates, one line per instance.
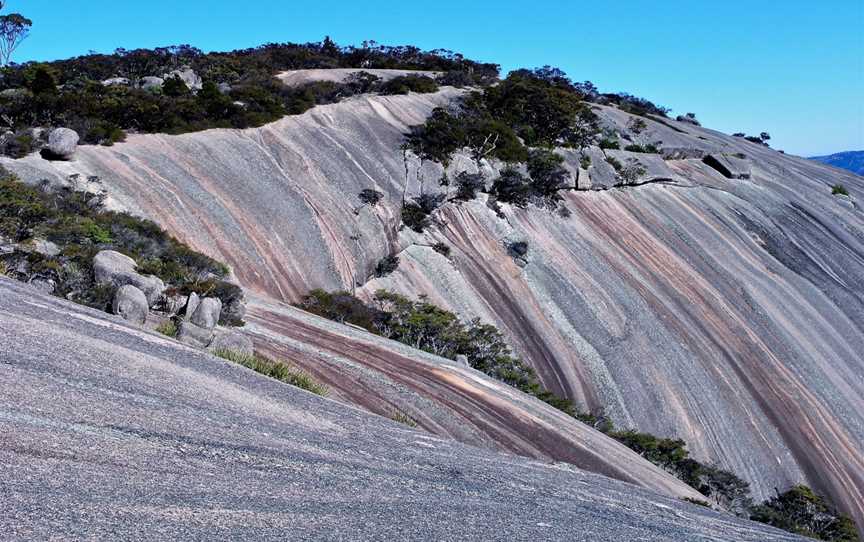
(130, 303)
(118, 269)
(726, 312)
(62, 143)
(223, 453)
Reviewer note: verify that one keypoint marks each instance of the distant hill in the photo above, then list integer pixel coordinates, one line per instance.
(851, 160)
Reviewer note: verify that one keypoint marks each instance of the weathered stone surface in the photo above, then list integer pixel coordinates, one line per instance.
(207, 313)
(233, 340)
(62, 143)
(731, 167)
(130, 303)
(189, 333)
(45, 247)
(191, 304)
(462, 359)
(718, 300)
(188, 76)
(151, 83)
(118, 269)
(655, 167)
(44, 285)
(99, 407)
(116, 81)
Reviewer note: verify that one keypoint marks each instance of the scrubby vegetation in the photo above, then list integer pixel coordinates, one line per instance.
(386, 265)
(761, 139)
(278, 370)
(238, 88)
(800, 510)
(78, 226)
(839, 190)
(427, 327)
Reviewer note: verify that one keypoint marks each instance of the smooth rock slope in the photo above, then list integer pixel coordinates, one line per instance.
(113, 432)
(727, 312)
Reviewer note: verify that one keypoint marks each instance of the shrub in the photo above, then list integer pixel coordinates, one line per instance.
(442, 248)
(800, 510)
(649, 148)
(512, 187)
(585, 162)
(609, 144)
(401, 417)
(518, 249)
(386, 265)
(275, 369)
(409, 83)
(168, 328)
(839, 190)
(547, 174)
(370, 197)
(468, 184)
(637, 125)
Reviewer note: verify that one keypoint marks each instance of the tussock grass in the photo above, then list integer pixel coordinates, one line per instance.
(275, 369)
(168, 328)
(401, 417)
(839, 190)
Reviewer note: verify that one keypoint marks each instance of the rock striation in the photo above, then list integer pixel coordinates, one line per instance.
(723, 311)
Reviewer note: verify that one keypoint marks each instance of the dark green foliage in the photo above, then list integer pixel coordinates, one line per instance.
(441, 248)
(538, 108)
(648, 148)
(634, 105)
(370, 197)
(175, 87)
(81, 227)
(468, 184)
(607, 143)
(409, 83)
(585, 162)
(416, 214)
(547, 174)
(512, 187)
(414, 217)
(518, 249)
(386, 265)
(839, 189)
(800, 510)
(99, 113)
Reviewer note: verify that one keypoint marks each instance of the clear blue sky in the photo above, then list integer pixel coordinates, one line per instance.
(792, 68)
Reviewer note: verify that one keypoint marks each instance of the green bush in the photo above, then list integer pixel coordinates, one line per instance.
(168, 328)
(409, 83)
(607, 143)
(275, 369)
(386, 266)
(839, 189)
(800, 510)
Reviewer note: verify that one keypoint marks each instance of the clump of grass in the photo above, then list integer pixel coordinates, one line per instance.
(401, 417)
(839, 190)
(275, 369)
(697, 502)
(168, 328)
(3, 269)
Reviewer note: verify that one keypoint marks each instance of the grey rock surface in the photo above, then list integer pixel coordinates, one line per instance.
(188, 76)
(207, 313)
(113, 432)
(130, 303)
(191, 305)
(116, 81)
(723, 312)
(197, 336)
(731, 167)
(118, 269)
(62, 142)
(151, 83)
(233, 340)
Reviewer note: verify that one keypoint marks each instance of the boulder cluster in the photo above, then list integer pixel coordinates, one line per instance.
(139, 298)
(155, 83)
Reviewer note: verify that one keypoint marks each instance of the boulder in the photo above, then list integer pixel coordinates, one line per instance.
(731, 167)
(191, 304)
(224, 88)
(151, 83)
(189, 333)
(44, 285)
(45, 248)
(111, 267)
(462, 359)
(116, 82)
(233, 340)
(207, 313)
(689, 120)
(14, 93)
(62, 143)
(188, 76)
(130, 303)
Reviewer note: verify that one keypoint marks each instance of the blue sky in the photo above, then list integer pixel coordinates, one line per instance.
(792, 68)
